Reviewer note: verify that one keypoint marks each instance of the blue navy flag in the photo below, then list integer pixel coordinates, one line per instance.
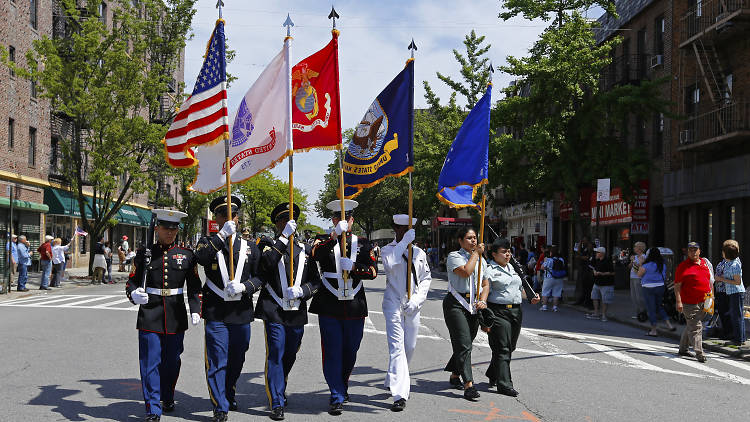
(382, 143)
(465, 166)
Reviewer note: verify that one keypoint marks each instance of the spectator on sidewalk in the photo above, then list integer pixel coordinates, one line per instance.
(653, 275)
(729, 274)
(693, 280)
(58, 260)
(554, 275)
(522, 254)
(45, 261)
(24, 261)
(603, 292)
(100, 262)
(122, 252)
(636, 294)
(12, 249)
(585, 281)
(538, 269)
(108, 260)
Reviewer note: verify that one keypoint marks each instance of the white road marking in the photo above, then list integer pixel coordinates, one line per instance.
(34, 300)
(49, 300)
(110, 304)
(91, 299)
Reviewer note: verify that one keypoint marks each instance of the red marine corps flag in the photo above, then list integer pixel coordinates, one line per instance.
(316, 118)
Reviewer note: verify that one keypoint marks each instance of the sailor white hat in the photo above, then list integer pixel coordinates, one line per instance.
(349, 205)
(403, 220)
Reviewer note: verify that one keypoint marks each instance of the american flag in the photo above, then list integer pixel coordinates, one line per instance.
(203, 118)
(80, 232)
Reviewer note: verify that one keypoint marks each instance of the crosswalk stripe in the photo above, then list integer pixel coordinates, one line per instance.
(114, 302)
(92, 299)
(25, 300)
(729, 361)
(53, 299)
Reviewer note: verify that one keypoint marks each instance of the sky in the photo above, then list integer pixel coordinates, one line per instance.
(372, 50)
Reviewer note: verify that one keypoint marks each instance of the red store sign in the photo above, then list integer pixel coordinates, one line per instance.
(617, 211)
(213, 226)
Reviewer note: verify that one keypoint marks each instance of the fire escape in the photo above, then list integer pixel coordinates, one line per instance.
(706, 29)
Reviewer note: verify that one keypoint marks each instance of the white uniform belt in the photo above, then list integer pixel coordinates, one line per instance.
(460, 297)
(219, 292)
(340, 291)
(164, 292)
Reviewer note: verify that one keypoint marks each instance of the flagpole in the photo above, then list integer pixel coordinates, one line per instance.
(219, 5)
(412, 48)
(484, 208)
(290, 143)
(342, 243)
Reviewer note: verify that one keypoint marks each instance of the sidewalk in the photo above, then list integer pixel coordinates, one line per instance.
(622, 311)
(74, 278)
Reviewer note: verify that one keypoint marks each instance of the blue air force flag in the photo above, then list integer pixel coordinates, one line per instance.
(465, 166)
(382, 142)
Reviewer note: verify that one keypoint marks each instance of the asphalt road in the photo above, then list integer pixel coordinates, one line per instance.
(72, 355)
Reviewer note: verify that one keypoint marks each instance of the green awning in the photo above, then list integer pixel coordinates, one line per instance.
(61, 202)
(145, 215)
(128, 214)
(24, 205)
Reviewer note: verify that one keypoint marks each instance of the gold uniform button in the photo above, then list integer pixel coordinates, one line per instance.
(165, 283)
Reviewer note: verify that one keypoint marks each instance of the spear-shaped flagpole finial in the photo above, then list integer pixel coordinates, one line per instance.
(219, 5)
(412, 48)
(492, 71)
(289, 24)
(333, 15)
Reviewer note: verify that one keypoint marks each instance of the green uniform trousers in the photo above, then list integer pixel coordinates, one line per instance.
(462, 327)
(503, 336)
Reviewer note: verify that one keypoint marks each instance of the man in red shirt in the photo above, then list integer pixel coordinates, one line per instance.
(693, 279)
(45, 262)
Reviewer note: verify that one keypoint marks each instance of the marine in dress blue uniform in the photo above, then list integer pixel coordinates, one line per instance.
(227, 305)
(341, 305)
(283, 308)
(162, 318)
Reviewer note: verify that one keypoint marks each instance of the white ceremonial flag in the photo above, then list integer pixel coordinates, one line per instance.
(259, 138)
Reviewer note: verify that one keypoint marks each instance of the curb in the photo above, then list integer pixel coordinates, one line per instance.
(740, 354)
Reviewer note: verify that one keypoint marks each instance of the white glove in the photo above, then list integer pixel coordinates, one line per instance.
(341, 227)
(294, 292)
(411, 308)
(235, 288)
(139, 296)
(230, 228)
(290, 227)
(409, 237)
(346, 264)
(195, 318)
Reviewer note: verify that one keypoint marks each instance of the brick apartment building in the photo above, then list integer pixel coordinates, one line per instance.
(29, 141)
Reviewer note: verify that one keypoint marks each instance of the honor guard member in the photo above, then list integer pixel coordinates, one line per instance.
(401, 312)
(341, 304)
(282, 307)
(162, 319)
(227, 305)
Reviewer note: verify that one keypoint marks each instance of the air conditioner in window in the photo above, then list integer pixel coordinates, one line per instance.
(657, 60)
(686, 137)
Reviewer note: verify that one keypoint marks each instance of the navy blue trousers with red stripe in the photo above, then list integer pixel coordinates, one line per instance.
(282, 344)
(226, 345)
(159, 360)
(339, 341)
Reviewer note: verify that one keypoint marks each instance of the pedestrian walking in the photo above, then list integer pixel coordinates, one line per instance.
(158, 286)
(603, 292)
(585, 280)
(401, 312)
(227, 304)
(24, 262)
(58, 260)
(729, 275)
(693, 282)
(45, 262)
(341, 306)
(108, 260)
(538, 271)
(100, 262)
(502, 291)
(12, 250)
(460, 308)
(554, 279)
(282, 305)
(636, 293)
(653, 276)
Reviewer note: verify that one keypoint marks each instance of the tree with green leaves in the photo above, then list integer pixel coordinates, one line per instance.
(107, 82)
(549, 9)
(474, 70)
(260, 195)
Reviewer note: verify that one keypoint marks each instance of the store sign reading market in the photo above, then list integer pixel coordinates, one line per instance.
(617, 211)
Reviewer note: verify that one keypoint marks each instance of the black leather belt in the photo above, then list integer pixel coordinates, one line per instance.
(507, 306)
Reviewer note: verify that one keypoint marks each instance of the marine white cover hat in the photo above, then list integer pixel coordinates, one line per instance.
(349, 204)
(169, 216)
(403, 220)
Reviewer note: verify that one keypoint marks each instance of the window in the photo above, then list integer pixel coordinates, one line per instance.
(692, 98)
(12, 59)
(32, 147)
(710, 232)
(54, 151)
(103, 12)
(728, 87)
(659, 35)
(626, 60)
(33, 13)
(658, 139)
(32, 87)
(732, 232)
(11, 133)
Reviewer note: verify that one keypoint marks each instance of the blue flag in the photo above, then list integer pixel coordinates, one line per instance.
(382, 142)
(465, 166)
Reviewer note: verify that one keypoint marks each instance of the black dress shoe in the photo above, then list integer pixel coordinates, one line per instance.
(492, 382)
(456, 383)
(471, 393)
(398, 405)
(44, 288)
(219, 416)
(507, 391)
(277, 413)
(152, 418)
(232, 405)
(167, 406)
(335, 409)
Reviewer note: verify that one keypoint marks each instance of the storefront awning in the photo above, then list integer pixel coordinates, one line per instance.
(128, 215)
(24, 205)
(144, 215)
(61, 202)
